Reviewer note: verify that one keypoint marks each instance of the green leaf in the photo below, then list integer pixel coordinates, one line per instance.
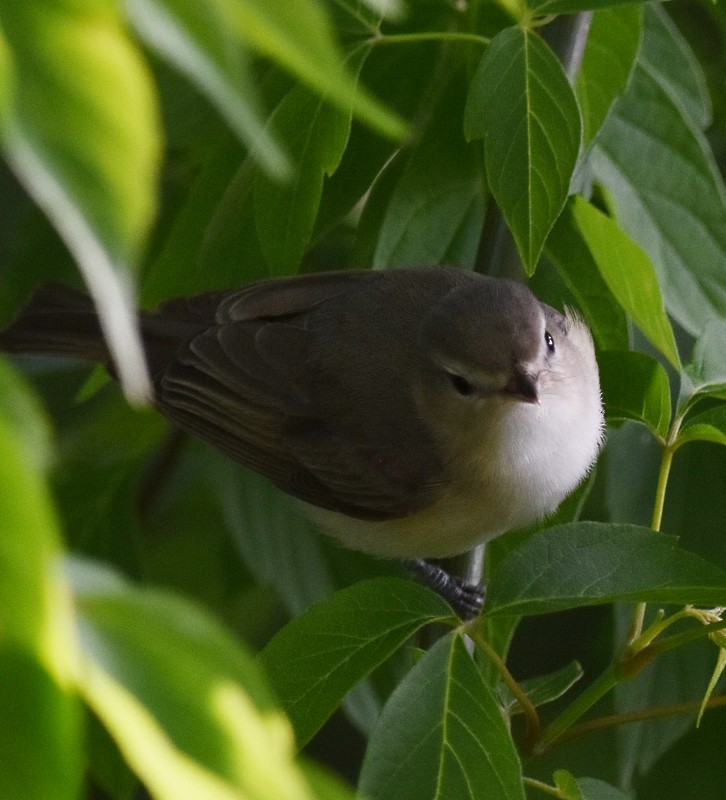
(522, 105)
(441, 734)
(706, 372)
(88, 163)
(629, 275)
(661, 175)
(187, 707)
(590, 563)
(594, 789)
(194, 37)
(567, 785)
(5, 81)
(635, 386)
(567, 249)
(543, 689)
(297, 34)
(608, 60)
(709, 426)
(315, 660)
(40, 735)
(435, 213)
(315, 134)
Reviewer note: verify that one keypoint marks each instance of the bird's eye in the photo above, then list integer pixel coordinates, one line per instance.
(550, 342)
(462, 386)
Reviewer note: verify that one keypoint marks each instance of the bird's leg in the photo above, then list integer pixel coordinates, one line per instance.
(467, 599)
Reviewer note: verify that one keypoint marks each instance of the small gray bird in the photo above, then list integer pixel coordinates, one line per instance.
(415, 413)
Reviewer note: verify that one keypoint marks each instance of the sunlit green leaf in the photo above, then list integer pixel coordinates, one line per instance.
(635, 386)
(542, 7)
(184, 702)
(567, 249)
(317, 658)
(629, 275)
(522, 105)
(40, 734)
(441, 735)
(588, 563)
(706, 372)
(86, 161)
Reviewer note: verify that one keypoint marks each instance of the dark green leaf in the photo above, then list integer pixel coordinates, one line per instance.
(612, 45)
(522, 105)
(588, 563)
(660, 173)
(441, 735)
(635, 386)
(315, 134)
(629, 275)
(186, 705)
(568, 251)
(195, 38)
(710, 426)
(542, 689)
(316, 659)
(437, 202)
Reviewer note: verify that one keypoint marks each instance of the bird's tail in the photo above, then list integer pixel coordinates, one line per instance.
(57, 321)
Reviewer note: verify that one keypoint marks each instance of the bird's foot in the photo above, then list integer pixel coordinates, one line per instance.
(467, 599)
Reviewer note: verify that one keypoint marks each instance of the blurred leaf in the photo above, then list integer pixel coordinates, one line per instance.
(297, 35)
(273, 537)
(315, 135)
(186, 705)
(542, 689)
(522, 105)
(195, 38)
(542, 7)
(635, 386)
(437, 200)
(441, 735)
(660, 172)
(317, 658)
(589, 563)
(710, 426)
(40, 735)
(567, 249)
(89, 164)
(594, 789)
(629, 275)
(5, 81)
(612, 45)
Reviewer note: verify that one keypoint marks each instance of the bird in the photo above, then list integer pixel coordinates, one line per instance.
(413, 413)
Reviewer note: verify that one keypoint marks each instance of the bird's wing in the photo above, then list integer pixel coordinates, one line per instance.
(244, 384)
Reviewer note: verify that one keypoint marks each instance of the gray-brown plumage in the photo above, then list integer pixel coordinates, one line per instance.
(358, 393)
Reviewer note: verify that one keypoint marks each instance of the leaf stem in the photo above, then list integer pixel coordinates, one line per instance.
(597, 689)
(669, 449)
(613, 720)
(530, 712)
(429, 36)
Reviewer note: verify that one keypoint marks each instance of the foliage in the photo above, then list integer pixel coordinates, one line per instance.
(179, 146)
